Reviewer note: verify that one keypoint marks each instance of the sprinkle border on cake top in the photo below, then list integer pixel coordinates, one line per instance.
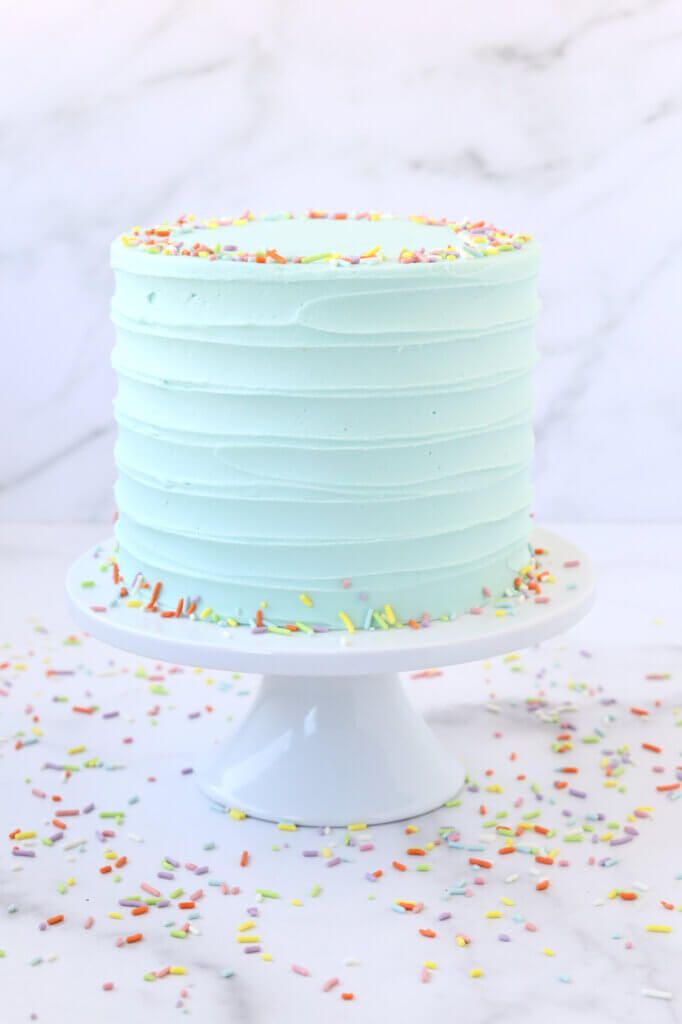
(472, 240)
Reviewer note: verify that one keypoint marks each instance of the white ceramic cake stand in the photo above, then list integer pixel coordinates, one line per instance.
(332, 737)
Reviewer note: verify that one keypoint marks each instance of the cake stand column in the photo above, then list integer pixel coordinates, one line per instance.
(331, 751)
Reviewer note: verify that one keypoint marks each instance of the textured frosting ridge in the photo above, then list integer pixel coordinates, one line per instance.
(358, 435)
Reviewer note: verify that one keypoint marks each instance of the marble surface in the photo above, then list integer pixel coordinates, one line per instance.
(559, 119)
(502, 720)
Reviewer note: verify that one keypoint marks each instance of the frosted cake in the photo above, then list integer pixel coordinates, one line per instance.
(324, 421)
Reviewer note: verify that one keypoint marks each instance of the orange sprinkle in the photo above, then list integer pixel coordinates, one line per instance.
(123, 592)
(121, 862)
(137, 937)
(482, 810)
(347, 996)
(57, 919)
(668, 906)
(413, 624)
(480, 863)
(428, 933)
(58, 824)
(415, 851)
(628, 895)
(378, 873)
(639, 711)
(168, 615)
(507, 849)
(117, 575)
(398, 866)
(559, 784)
(541, 830)
(139, 910)
(259, 617)
(544, 860)
(105, 869)
(541, 886)
(178, 610)
(569, 771)
(669, 788)
(186, 905)
(652, 747)
(192, 607)
(406, 904)
(244, 859)
(154, 595)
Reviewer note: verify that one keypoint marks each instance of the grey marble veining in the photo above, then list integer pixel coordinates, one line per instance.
(560, 119)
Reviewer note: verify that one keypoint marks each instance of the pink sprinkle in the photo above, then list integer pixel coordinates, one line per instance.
(572, 564)
(224, 889)
(530, 927)
(424, 975)
(89, 921)
(303, 971)
(330, 984)
(163, 972)
(542, 600)
(197, 895)
(108, 986)
(345, 584)
(150, 889)
(39, 792)
(487, 592)
(364, 847)
(475, 611)
(235, 890)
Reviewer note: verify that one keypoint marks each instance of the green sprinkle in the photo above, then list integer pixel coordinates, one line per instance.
(316, 890)
(177, 933)
(87, 583)
(177, 893)
(268, 894)
(423, 867)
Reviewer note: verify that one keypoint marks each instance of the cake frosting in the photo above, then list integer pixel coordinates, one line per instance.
(324, 420)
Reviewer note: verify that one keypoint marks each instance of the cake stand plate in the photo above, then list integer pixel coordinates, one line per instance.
(332, 737)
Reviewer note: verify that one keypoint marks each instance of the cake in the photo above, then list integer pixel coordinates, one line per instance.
(324, 421)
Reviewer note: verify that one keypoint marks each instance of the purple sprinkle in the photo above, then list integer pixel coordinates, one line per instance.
(16, 852)
(110, 714)
(445, 916)
(578, 792)
(194, 714)
(620, 840)
(631, 830)
(163, 903)
(252, 949)
(130, 903)
(333, 862)
(89, 809)
(42, 926)
(201, 871)
(504, 938)
(259, 629)
(370, 877)
(187, 771)
(311, 853)
(252, 911)
(165, 874)
(56, 837)
(173, 863)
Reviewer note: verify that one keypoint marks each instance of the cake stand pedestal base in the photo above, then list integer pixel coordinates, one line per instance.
(349, 747)
(332, 738)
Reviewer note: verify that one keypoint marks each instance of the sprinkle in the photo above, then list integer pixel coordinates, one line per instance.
(347, 622)
(656, 993)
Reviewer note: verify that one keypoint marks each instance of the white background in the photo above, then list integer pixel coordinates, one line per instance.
(560, 119)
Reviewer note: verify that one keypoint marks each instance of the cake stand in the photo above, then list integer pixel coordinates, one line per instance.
(331, 737)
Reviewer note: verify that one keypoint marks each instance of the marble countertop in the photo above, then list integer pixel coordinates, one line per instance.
(604, 700)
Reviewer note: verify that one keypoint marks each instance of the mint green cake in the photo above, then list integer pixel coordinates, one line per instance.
(324, 421)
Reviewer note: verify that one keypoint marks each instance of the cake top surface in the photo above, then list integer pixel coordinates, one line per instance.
(313, 241)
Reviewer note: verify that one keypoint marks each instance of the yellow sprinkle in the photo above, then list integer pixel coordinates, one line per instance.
(304, 599)
(548, 952)
(493, 913)
(326, 852)
(460, 941)
(371, 252)
(358, 826)
(500, 613)
(178, 970)
(297, 903)
(411, 829)
(110, 855)
(36, 731)
(475, 972)
(612, 895)
(663, 929)
(25, 835)
(237, 815)
(76, 750)
(428, 846)
(231, 622)
(431, 965)
(247, 938)
(507, 902)
(266, 956)
(347, 623)
(606, 836)
(390, 614)
(246, 926)
(115, 914)
(133, 603)
(70, 881)
(494, 789)
(205, 613)
(286, 826)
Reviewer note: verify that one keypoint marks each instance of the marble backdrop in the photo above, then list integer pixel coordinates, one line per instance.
(563, 119)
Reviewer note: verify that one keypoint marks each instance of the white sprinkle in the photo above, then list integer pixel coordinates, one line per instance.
(656, 993)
